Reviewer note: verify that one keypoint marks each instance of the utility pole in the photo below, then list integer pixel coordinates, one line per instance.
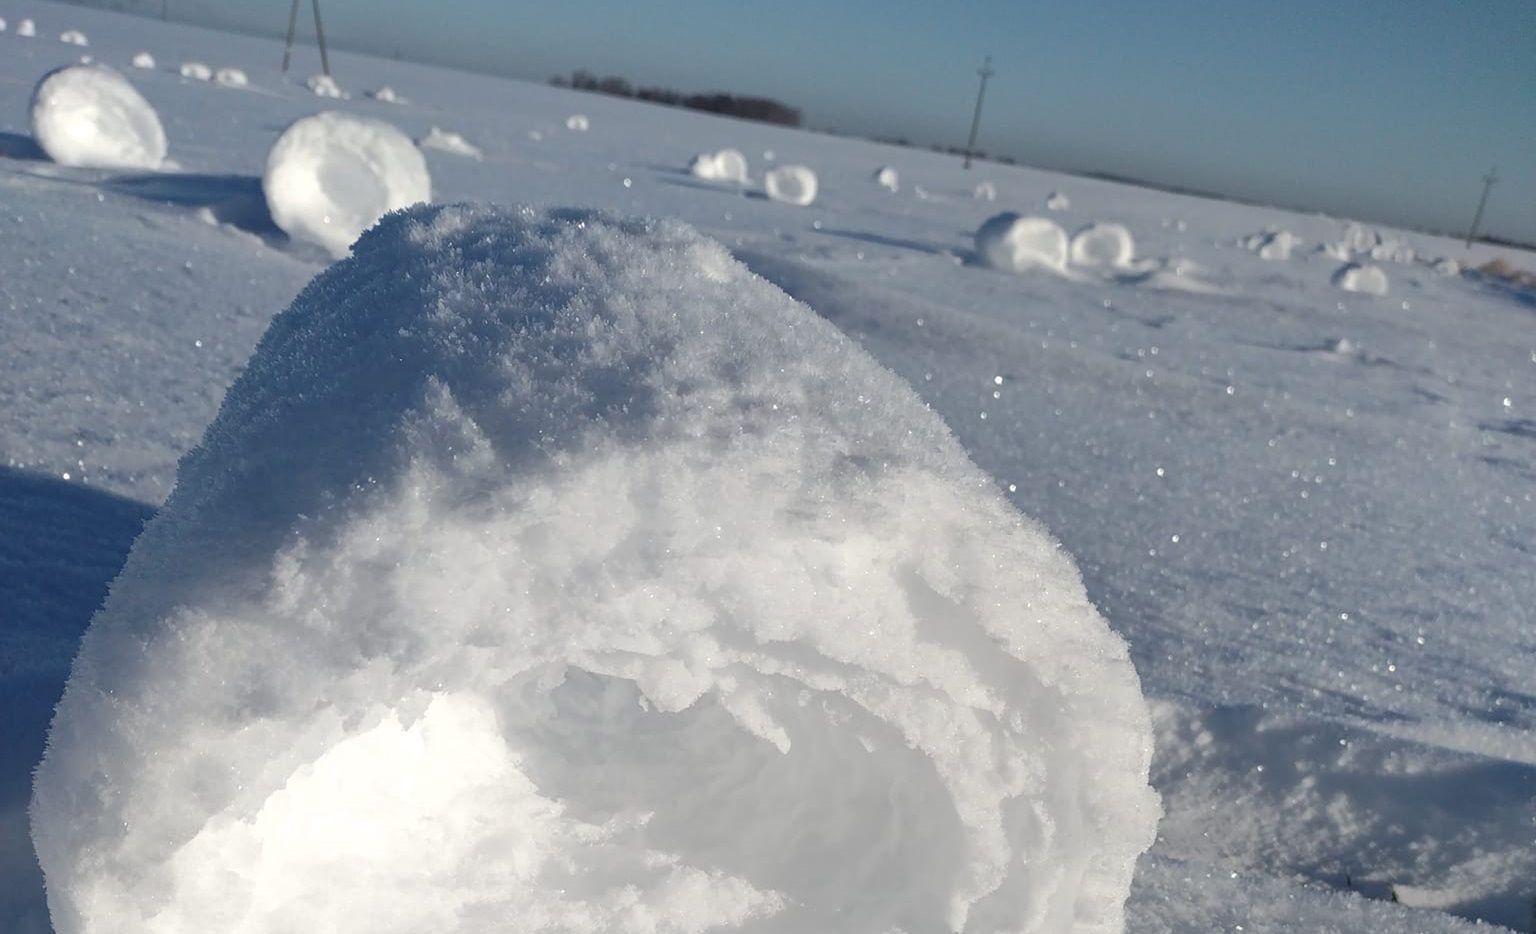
(293, 23)
(1489, 181)
(986, 72)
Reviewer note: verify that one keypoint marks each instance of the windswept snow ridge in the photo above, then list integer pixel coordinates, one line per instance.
(791, 184)
(1014, 243)
(89, 115)
(558, 568)
(724, 165)
(329, 177)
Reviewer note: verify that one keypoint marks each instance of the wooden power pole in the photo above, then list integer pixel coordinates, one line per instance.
(985, 71)
(293, 23)
(1489, 180)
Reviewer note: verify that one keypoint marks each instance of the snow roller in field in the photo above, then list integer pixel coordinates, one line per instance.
(554, 572)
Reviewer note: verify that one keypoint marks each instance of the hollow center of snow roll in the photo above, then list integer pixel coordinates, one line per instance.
(552, 570)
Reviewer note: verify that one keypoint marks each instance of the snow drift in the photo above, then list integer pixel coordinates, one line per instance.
(330, 176)
(557, 568)
(791, 184)
(1014, 243)
(724, 165)
(89, 115)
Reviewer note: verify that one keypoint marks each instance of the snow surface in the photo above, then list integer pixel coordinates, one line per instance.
(197, 71)
(90, 116)
(143, 60)
(231, 78)
(329, 177)
(1292, 500)
(1355, 277)
(720, 165)
(511, 494)
(791, 184)
(450, 142)
(887, 177)
(1103, 246)
(1014, 243)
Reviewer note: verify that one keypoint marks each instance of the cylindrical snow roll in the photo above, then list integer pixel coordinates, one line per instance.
(1014, 243)
(89, 115)
(329, 177)
(791, 184)
(1103, 246)
(557, 572)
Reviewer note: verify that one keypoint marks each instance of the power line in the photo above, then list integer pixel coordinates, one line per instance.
(986, 72)
(1489, 180)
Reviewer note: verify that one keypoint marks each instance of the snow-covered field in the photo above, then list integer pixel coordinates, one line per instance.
(1306, 507)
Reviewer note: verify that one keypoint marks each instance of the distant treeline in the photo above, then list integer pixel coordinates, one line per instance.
(764, 109)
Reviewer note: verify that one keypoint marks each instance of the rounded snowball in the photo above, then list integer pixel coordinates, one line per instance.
(557, 568)
(578, 123)
(1103, 246)
(1014, 243)
(325, 86)
(1354, 277)
(26, 28)
(196, 71)
(1058, 202)
(886, 177)
(984, 191)
(143, 60)
(791, 184)
(329, 177)
(74, 37)
(89, 115)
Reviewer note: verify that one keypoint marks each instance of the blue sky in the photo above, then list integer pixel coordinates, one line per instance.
(1384, 110)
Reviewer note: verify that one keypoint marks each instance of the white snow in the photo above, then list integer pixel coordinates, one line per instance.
(89, 115)
(386, 95)
(984, 191)
(26, 28)
(231, 78)
(2, 24)
(1359, 238)
(1103, 246)
(791, 184)
(577, 123)
(324, 86)
(143, 60)
(330, 176)
(1058, 202)
(1392, 251)
(450, 142)
(1354, 277)
(1272, 243)
(721, 165)
(1014, 243)
(559, 568)
(197, 71)
(887, 177)
(1307, 511)
(1446, 266)
(73, 37)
